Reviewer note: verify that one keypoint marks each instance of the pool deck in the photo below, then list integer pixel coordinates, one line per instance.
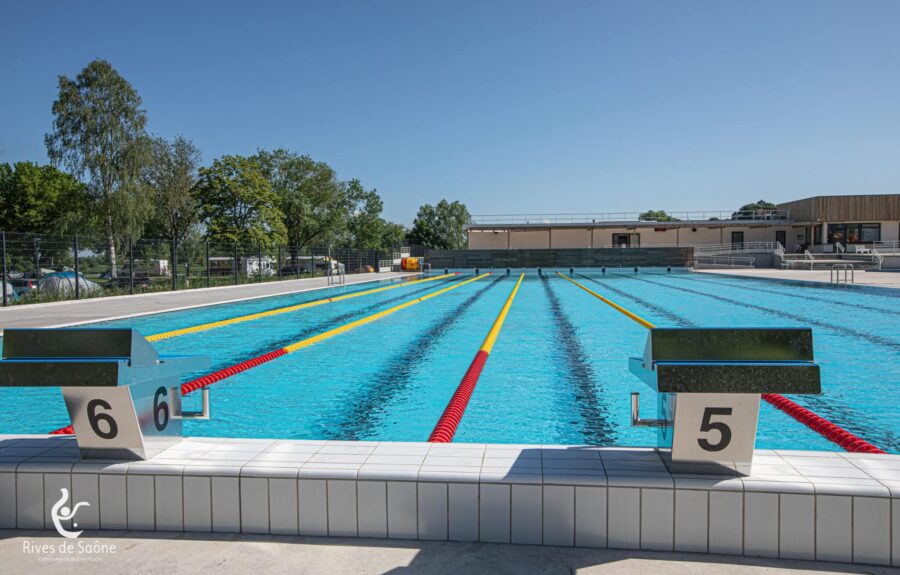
(147, 552)
(66, 313)
(862, 277)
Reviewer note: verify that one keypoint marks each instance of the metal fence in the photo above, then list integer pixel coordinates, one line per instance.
(43, 267)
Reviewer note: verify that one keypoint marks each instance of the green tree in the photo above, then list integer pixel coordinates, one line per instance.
(171, 175)
(392, 234)
(657, 216)
(237, 203)
(442, 226)
(365, 226)
(41, 199)
(756, 211)
(314, 205)
(98, 133)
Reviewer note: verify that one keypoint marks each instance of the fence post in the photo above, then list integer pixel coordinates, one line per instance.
(3, 254)
(259, 267)
(77, 278)
(280, 247)
(174, 263)
(208, 277)
(234, 266)
(131, 264)
(297, 264)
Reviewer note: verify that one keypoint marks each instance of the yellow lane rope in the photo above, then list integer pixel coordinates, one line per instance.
(611, 303)
(374, 317)
(269, 313)
(488, 343)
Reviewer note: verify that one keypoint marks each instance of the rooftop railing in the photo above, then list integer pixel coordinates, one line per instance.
(605, 217)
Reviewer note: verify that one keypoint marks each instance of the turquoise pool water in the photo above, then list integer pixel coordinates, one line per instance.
(557, 374)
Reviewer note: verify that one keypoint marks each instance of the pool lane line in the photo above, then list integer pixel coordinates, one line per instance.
(281, 310)
(445, 428)
(612, 304)
(804, 297)
(325, 321)
(216, 376)
(597, 429)
(396, 375)
(876, 339)
(817, 423)
(670, 315)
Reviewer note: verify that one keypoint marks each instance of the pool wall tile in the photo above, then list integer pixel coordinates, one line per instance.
(624, 519)
(761, 522)
(726, 521)
(432, 511)
(494, 512)
(342, 508)
(590, 516)
(141, 502)
(834, 528)
(797, 526)
(113, 501)
(525, 514)
(86, 487)
(254, 505)
(691, 520)
(29, 501)
(462, 517)
(657, 519)
(7, 500)
(559, 515)
(226, 504)
(169, 498)
(402, 510)
(371, 501)
(197, 504)
(283, 518)
(871, 531)
(313, 507)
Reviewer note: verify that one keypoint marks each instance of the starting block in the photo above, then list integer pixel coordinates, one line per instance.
(124, 399)
(709, 383)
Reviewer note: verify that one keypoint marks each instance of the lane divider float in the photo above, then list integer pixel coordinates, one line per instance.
(831, 431)
(212, 378)
(446, 426)
(281, 310)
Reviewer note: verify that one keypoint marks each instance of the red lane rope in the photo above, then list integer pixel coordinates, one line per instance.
(820, 425)
(446, 426)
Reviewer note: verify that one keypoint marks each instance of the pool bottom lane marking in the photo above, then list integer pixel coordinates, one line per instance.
(446, 426)
(820, 425)
(287, 309)
(597, 429)
(214, 377)
(395, 376)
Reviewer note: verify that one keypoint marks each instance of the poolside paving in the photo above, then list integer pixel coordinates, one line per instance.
(882, 279)
(141, 553)
(65, 313)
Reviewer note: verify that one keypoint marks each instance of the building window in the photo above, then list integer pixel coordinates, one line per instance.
(854, 233)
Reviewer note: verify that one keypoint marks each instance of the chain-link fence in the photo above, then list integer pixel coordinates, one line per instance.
(42, 268)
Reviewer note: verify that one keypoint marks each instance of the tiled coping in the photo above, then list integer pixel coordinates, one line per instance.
(797, 504)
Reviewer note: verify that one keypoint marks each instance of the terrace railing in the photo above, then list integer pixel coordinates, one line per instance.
(606, 217)
(745, 247)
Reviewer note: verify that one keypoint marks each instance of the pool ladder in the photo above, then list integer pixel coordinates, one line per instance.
(835, 277)
(335, 276)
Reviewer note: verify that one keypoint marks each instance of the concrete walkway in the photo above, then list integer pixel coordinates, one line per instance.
(140, 553)
(861, 277)
(64, 313)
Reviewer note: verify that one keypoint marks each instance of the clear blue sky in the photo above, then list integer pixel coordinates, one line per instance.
(508, 106)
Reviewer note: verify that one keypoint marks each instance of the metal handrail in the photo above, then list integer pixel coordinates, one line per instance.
(727, 261)
(774, 247)
(839, 247)
(834, 276)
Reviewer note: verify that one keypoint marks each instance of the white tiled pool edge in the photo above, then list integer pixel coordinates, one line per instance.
(797, 504)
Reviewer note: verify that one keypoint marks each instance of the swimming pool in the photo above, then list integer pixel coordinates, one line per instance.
(558, 373)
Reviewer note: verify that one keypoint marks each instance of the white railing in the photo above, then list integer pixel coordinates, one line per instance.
(706, 261)
(808, 255)
(892, 247)
(878, 257)
(385, 265)
(758, 247)
(594, 218)
(834, 277)
(839, 248)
